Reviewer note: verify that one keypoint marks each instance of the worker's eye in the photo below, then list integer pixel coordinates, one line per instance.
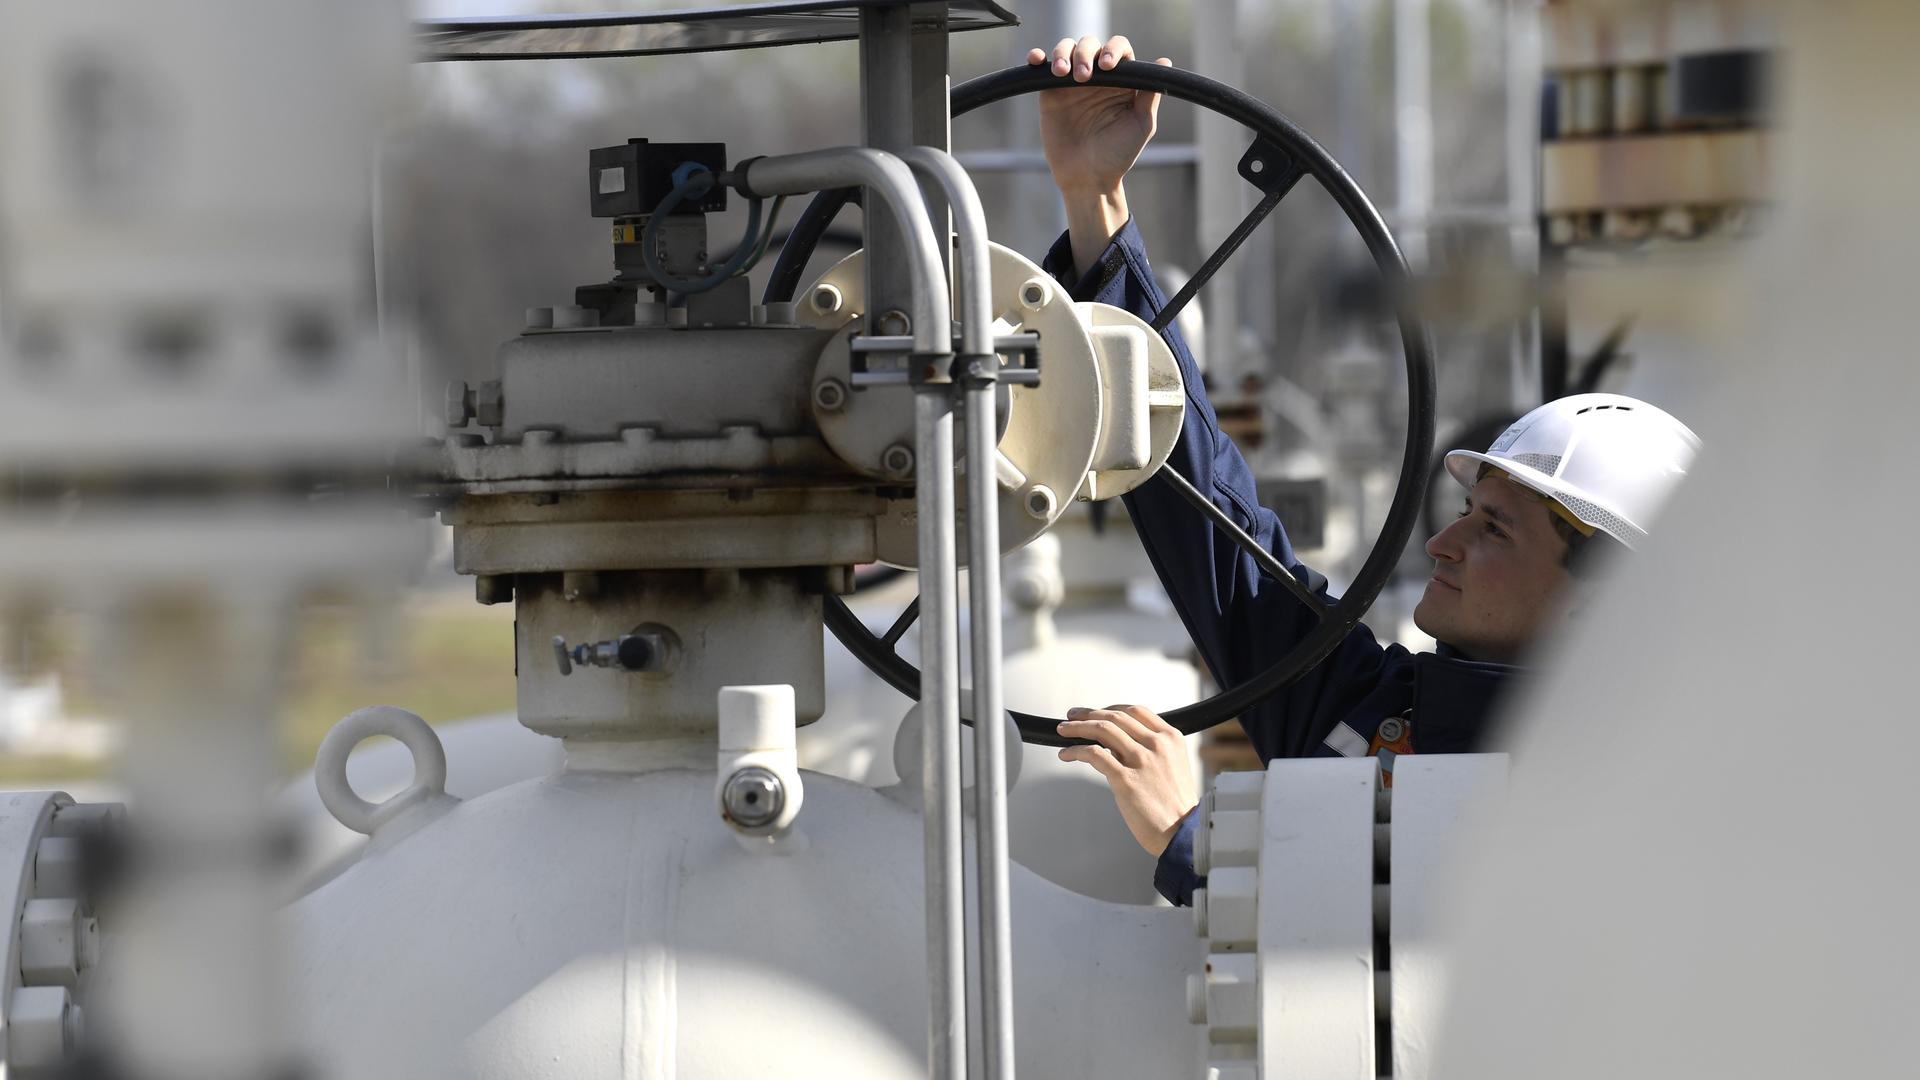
(1494, 530)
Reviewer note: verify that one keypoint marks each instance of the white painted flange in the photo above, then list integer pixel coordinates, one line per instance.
(1052, 430)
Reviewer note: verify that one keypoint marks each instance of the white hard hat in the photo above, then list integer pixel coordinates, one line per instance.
(1609, 460)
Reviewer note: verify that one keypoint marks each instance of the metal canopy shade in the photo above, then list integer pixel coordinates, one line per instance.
(743, 26)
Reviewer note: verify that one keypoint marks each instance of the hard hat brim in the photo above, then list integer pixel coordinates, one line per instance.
(1464, 467)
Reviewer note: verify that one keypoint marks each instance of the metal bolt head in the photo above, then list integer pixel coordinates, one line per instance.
(490, 404)
(1034, 293)
(1040, 502)
(826, 299)
(897, 460)
(894, 324)
(753, 798)
(459, 406)
(830, 395)
(41, 1027)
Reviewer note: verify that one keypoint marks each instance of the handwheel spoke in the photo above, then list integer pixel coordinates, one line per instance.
(1274, 567)
(902, 624)
(1219, 257)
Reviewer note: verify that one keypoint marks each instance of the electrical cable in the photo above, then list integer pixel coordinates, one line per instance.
(693, 180)
(766, 237)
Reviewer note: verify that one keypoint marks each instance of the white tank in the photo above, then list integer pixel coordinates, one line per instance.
(605, 922)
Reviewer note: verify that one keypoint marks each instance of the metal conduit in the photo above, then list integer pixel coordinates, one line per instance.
(940, 728)
(977, 370)
(889, 176)
(794, 174)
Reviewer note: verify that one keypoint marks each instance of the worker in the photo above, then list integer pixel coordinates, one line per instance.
(1570, 480)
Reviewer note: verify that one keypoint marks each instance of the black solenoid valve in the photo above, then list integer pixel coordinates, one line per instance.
(631, 179)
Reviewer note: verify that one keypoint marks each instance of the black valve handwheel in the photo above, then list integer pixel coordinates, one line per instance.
(1279, 156)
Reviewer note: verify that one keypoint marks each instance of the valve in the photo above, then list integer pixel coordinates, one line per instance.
(649, 648)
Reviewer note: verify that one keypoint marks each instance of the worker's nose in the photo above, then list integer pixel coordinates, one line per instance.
(1445, 546)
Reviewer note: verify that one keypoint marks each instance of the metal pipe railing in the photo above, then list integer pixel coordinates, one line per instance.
(887, 175)
(977, 371)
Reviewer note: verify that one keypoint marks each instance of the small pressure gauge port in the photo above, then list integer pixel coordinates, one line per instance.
(753, 797)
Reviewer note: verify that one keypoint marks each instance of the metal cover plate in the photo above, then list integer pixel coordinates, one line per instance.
(742, 26)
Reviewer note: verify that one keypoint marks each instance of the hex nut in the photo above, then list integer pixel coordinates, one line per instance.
(490, 405)
(894, 324)
(459, 406)
(830, 395)
(574, 317)
(42, 1026)
(539, 318)
(53, 942)
(897, 460)
(57, 868)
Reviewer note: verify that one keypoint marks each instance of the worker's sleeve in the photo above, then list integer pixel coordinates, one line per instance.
(1239, 620)
(1173, 875)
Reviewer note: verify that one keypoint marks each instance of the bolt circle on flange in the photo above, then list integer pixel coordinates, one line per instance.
(1274, 134)
(753, 797)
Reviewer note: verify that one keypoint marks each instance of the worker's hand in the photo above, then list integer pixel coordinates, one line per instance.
(1093, 135)
(1144, 759)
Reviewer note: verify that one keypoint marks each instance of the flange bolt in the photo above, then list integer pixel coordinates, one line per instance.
(897, 460)
(830, 395)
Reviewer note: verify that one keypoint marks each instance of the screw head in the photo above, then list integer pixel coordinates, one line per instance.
(1040, 502)
(753, 797)
(1034, 293)
(826, 299)
(830, 395)
(897, 460)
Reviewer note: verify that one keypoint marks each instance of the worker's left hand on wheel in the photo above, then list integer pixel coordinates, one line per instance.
(1144, 759)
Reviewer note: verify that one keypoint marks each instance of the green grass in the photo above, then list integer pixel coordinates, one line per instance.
(450, 658)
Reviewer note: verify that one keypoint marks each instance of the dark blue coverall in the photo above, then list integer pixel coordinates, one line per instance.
(1240, 621)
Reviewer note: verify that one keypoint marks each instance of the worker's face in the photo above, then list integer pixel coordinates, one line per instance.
(1498, 578)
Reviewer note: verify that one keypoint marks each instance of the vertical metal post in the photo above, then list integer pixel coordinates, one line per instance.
(895, 115)
(989, 730)
(940, 719)
(977, 369)
(1035, 214)
(1413, 124)
(1524, 77)
(1222, 194)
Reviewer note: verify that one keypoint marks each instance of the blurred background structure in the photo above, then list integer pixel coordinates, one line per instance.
(223, 307)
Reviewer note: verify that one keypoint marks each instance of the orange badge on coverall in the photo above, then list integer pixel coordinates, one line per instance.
(1393, 738)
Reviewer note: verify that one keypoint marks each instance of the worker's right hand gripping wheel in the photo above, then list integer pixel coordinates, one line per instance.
(1278, 156)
